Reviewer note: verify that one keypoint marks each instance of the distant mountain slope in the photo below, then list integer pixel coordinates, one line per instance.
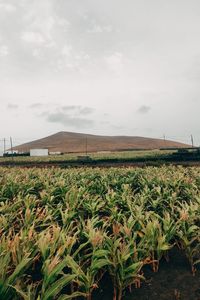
(67, 142)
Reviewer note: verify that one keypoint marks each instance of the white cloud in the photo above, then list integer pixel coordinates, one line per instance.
(36, 53)
(44, 26)
(63, 22)
(100, 29)
(45, 29)
(115, 62)
(3, 51)
(7, 7)
(66, 50)
(32, 37)
(41, 23)
(71, 59)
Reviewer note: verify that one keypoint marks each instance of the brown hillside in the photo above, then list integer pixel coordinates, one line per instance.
(67, 142)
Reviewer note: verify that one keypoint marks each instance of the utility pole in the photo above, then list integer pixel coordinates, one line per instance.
(4, 146)
(164, 138)
(11, 147)
(192, 141)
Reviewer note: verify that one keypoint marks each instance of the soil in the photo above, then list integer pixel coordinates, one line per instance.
(71, 142)
(174, 281)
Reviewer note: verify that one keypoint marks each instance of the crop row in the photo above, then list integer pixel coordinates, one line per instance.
(63, 231)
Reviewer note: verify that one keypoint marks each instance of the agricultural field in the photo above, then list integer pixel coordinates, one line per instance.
(118, 155)
(99, 234)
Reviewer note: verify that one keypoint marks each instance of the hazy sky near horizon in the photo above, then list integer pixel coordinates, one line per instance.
(107, 67)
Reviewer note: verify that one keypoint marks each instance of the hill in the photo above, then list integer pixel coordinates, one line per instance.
(69, 142)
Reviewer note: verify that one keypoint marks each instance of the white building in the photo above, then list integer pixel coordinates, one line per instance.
(55, 153)
(39, 152)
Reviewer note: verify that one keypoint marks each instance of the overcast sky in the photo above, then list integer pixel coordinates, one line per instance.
(113, 67)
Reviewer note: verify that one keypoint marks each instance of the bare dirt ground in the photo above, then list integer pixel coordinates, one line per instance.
(174, 281)
(67, 142)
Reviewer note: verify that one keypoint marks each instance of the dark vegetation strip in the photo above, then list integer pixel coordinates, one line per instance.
(175, 159)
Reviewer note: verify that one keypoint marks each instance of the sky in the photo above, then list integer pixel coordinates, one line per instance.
(108, 67)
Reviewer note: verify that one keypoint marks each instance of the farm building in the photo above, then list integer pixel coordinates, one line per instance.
(39, 152)
(55, 153)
